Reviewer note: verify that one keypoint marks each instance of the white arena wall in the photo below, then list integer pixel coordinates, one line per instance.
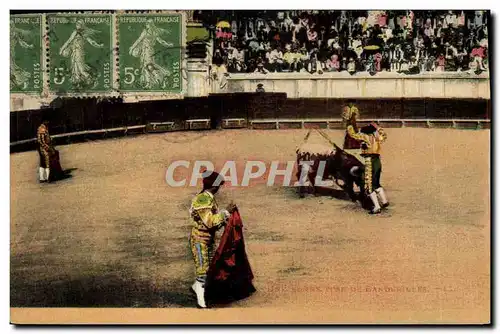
(363, 85)
(327, 85)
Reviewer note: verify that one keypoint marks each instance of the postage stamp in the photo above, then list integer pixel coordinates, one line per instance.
(150, 52)
(26, 70)
(80, 53)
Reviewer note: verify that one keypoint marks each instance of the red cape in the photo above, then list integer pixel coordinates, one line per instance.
(229, 276)
(56, 171)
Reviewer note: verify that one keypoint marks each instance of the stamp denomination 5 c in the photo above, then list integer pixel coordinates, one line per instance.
(150, 52)
(81, 56)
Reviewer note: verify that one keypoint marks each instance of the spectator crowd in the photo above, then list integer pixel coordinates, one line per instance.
(315, 41)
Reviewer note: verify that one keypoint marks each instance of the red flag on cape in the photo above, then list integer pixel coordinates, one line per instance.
(229, 276)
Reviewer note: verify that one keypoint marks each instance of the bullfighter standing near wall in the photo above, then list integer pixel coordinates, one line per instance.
(44, 149)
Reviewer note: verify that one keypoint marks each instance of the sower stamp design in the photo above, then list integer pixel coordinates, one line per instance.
(150, 52)
(26, 74)
(81, 55)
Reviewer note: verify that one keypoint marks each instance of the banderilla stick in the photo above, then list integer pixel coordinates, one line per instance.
(307, 136)
(325, 136)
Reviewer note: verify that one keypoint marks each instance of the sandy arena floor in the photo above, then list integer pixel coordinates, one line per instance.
(115, 235)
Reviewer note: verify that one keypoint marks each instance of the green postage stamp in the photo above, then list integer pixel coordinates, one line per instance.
(26, 73)
(150, 52)
(80, 53)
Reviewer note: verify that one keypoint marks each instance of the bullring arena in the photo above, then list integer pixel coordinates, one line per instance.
(110, 243)
(115, 234)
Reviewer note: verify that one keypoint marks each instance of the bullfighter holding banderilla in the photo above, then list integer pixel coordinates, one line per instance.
(371, 138)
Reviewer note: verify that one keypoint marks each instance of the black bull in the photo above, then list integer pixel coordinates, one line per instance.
(338, 167)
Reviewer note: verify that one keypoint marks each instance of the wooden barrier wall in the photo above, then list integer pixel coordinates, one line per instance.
(73, 115)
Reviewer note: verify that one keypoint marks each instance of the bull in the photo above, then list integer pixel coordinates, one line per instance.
(343, 168)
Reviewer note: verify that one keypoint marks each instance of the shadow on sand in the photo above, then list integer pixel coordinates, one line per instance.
(331, 192)
(62, 175)
(319, 192)
(108, 290)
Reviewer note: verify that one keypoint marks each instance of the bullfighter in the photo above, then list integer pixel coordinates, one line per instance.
(371, 138)
(350, 115)
(44, 149)
(206, 219)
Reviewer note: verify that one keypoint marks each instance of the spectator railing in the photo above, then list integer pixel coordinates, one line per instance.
(357, 75)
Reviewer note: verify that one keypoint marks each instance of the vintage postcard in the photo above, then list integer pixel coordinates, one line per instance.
(250, 167)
